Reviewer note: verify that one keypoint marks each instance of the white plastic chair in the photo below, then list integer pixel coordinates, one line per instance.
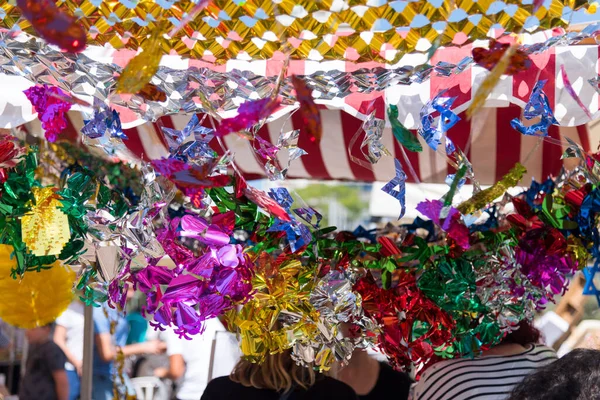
(150, 388)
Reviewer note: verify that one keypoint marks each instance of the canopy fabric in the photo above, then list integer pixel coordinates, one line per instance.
(488, 140)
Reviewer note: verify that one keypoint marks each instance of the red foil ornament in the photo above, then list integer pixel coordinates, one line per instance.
(397, 311)
(54, 25)
(488, 58)
(308, 111)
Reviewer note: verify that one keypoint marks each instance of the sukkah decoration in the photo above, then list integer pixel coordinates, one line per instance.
(175, 88)
(488, 58)
(200, 242)
(53, 24)
(26, 302)
(10, 154)
(537, 106)
(51, 109)
(44, 224)
(285, 284)
(257, 29)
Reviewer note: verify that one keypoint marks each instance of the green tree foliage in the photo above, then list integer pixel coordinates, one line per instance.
(319, 197)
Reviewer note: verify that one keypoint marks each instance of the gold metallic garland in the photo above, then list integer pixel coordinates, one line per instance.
(226, 28)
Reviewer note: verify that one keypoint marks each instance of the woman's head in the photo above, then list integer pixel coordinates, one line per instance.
(277, 372)
(525, 335)
(576, 376)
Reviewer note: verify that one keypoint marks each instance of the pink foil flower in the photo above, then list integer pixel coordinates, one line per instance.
(50, 108)
(200, 287)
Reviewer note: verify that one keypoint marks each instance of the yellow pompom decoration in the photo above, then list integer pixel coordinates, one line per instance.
(37, 298)
(45, 229)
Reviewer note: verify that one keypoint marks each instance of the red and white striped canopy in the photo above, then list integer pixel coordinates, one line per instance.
(488, 140)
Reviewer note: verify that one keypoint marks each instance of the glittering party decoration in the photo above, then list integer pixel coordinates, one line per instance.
(202, 135)
(142, 67)
(189, 178)
(400, 311)
(479, 200)
(38, 298)
(298, 235)
(104, 122)
(201, 287)
(176, 90)
(45, 228)
(265, 202)
(571, 91)
(373, 130)
(447, 287)
(289, 141)
(249, 114)
(283, 297)
(311, 118)
(488, 58)
(402, 135)
(10, 154)
(51, 110)
(399, 181)
(447, 119)
(538, 106)
(54, 24)
(447, 218)
(255, 29)
(490, 81)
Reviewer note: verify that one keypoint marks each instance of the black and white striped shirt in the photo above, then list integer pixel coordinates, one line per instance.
(489, 378)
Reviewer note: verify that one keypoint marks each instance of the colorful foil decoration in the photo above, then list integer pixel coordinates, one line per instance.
(447, 218)
(481, 199)
(399, 181)
(572, 93)
(38, 298)
(446, 120)
(538, 106)
(104, 122)
(486, 87)
(249, 114)
(309, 112)
(54, 25)
(10, 154)
(51, 109)
(142, 67)
(45, 228)
(489, 58)
(403, 135)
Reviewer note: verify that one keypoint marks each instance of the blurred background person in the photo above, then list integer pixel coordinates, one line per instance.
(192, 363)
(68, 335)
(576, 376)
(106, 351)
(277, 378)
(493, 375)
(45, 376)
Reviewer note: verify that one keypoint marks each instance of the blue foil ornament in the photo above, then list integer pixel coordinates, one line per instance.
(399, 181)
(104, 122)
(430, 131)
(538, 106)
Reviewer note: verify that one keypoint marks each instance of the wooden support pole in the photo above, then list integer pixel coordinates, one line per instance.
(88, 354)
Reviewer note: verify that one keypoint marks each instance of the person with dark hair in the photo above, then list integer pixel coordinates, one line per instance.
(576, 376)
(45, 376)
(493, 375)
(373, 380)
(277, 378)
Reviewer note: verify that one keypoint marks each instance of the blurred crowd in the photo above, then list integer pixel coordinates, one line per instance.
(133, 360)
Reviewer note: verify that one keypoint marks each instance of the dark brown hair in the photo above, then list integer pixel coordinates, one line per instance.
(525, 335)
